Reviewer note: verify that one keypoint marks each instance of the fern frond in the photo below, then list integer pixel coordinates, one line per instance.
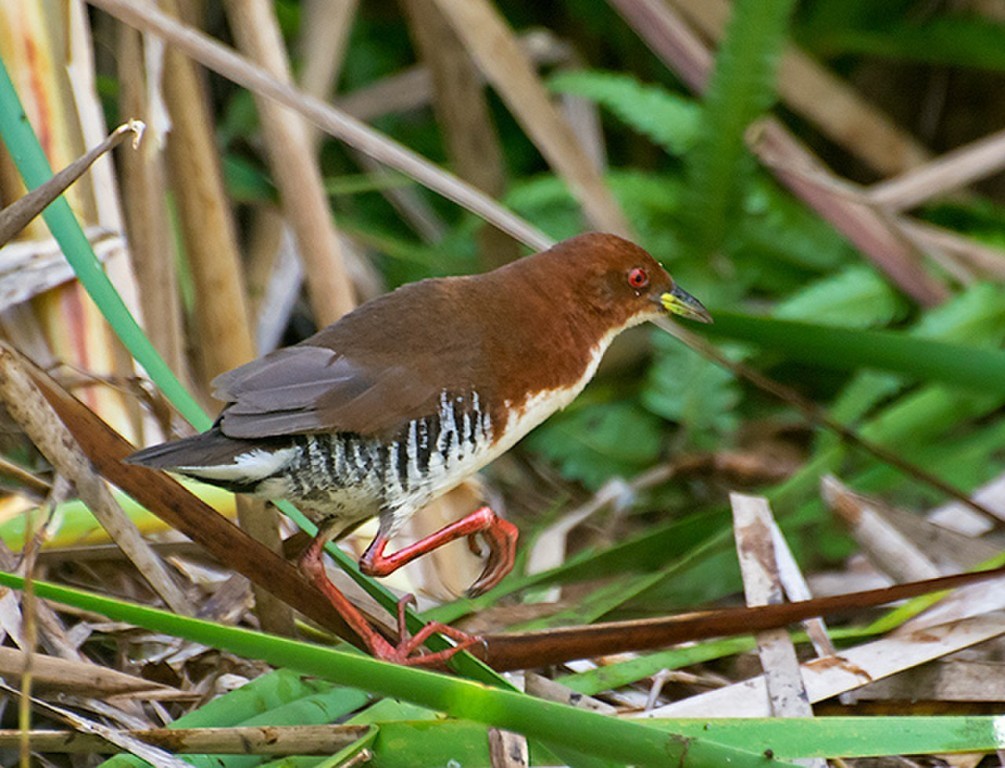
(741, 89)
(668, 119)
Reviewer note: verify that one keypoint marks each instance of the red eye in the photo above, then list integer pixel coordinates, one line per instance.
(638, 278)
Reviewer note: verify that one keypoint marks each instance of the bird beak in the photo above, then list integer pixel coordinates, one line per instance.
(680, 302)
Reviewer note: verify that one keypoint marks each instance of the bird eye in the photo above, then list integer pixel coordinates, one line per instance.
(638, 278)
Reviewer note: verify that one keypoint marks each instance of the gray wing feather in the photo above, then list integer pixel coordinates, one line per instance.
(311, 389)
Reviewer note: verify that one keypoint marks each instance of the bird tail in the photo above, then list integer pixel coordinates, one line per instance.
(198, 450)
(234, 464)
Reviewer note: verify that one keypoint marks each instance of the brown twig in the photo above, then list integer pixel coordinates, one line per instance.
(33, 414)
(16, 216)
(557, 645)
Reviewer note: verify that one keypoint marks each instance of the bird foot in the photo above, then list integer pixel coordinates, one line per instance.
(407, 652)
(408, 644)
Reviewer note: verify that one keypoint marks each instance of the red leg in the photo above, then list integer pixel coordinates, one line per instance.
(500, 535)
(312, 565)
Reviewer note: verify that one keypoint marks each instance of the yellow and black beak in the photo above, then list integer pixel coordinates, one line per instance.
(679, 302)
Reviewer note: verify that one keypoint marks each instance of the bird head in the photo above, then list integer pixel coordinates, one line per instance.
(622, 283)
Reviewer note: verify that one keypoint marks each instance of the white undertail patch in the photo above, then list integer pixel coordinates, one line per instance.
(249, 467)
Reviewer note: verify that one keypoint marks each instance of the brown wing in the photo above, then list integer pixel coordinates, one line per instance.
(311, 389)
(351, 376)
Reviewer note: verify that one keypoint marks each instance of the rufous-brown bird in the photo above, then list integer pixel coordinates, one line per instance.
(414, 391)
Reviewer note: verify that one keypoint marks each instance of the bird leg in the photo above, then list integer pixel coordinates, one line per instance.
(500, 535)
(312, 566)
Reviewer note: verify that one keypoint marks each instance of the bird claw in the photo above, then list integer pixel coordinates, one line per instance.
(501, 537)
(409, 644)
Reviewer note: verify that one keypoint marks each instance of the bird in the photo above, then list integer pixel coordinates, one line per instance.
(413, 392)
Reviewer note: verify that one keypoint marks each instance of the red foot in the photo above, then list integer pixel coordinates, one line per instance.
(312, 565)
(499, 534)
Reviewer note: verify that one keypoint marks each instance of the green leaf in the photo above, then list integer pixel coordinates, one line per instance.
(855, 298)
(960, 41)
(246, 182)
(775, 227)
(684, 387)
(593, 444)
(979, 219)
(975, 318)
(670, 120)
(651, 200)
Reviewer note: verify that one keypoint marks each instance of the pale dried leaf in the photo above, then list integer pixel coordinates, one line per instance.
(889, 549)
(855, 667)
(752, 526)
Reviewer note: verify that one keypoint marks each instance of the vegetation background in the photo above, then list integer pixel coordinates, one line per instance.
(825, 175)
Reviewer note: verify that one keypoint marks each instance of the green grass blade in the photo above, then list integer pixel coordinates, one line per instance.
(850, 736)
(787, 738)
(668, 118)
(847, 349)
(577, 729)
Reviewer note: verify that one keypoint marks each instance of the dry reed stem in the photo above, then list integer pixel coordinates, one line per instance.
(494, 48)
(261, 521)
(462, 111)
(274, 281)
(240, 740)
(53, 674)
(144, 202)
(124, 740)
(224, 340)
(294, 167)
(946, 173)
(986, 261)
(324, 39)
